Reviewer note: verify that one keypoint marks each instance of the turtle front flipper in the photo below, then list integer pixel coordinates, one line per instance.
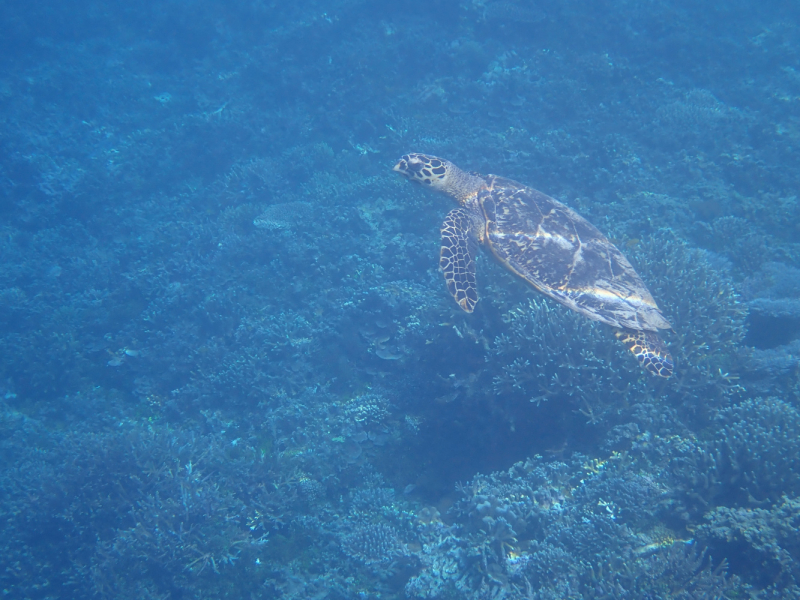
(457, 257)
(649, 349)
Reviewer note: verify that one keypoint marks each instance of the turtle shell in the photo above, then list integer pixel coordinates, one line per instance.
(564, 256)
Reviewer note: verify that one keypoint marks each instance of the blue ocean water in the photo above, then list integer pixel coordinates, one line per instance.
(230, 366)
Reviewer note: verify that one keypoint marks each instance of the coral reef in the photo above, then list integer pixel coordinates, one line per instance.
(561, 530)
(774, 326)
(762, 542)
(548, 352)
(758, 451)
(372, 543)
(229, 367)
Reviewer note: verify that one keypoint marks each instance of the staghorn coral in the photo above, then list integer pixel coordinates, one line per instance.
(188, 509)
(563, 530)
(677, 572)
(558, 354)
(757, 451)
(701, 303)
(440, 574)
(773, 295)
(762, 541)
(697, 116)
(175, 509)
(548, 352)
(697, 109)
(738, 240)
(372, 498)
(284, 216)
(372, 543)
(514, 496)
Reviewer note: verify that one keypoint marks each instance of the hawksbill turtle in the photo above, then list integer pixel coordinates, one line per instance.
(548, 245)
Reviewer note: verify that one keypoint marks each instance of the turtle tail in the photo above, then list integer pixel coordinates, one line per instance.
(649, 349)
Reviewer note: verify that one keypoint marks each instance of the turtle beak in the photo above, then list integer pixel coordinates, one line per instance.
(401, 167)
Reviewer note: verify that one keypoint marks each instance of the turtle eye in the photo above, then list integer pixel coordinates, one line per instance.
(415, 168)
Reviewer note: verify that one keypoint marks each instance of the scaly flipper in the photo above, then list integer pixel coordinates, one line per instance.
(457, 258)
(649, 349)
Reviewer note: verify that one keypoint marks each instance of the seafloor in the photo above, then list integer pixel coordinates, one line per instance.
(230, 368)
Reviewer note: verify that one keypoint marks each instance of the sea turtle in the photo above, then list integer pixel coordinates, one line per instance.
(548, 245)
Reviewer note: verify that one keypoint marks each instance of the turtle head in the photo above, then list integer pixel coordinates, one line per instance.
(439, 174)
(425, 169)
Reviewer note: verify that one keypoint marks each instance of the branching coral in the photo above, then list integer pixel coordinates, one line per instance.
(584, 529)
(372, 543)
(677, 572)
(556, 354)
(758, 451)
(763, 542)
(549, 352)
(284, 216)
(702, 305)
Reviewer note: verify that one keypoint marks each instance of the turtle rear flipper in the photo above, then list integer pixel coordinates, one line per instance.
(649, 349)
(457, 257)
